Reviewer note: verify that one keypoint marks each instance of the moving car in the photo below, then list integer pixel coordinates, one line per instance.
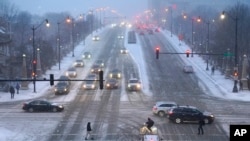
(96, 68)
(111, 83)
(71, 72)
(62, 88)
(65, 79)
(96, 38)
(79, 63)
(115, 73)
(42, 106)
(161, 107)
(92, 77)
(100, 63)
(120, 36)
(86, 55)
(123, 50)
(134, 84)
(89, 85)
(181, 114)
(188, 69)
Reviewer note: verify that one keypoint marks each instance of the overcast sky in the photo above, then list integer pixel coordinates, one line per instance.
(75, 7)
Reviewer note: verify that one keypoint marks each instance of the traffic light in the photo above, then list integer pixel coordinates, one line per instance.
(187, 53)
(101, 79)
(157, 51)
(51, 79)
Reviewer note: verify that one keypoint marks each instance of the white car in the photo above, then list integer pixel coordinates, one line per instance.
(79, 63)
(134, 84)
(89, 85)
(161, 107)
(71, 72)
(188, 69)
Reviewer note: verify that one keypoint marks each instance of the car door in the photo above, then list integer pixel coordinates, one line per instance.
(44, 106)
(194, 115)
(35, 105)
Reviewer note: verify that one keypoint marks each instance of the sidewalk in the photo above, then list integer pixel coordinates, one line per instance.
(216, 84)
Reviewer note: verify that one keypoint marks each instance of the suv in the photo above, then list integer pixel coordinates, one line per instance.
(161, 107)
(182, 114)
(134, 84)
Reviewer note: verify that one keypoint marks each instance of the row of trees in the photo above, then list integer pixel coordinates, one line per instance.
(215, 35)
(19, 25)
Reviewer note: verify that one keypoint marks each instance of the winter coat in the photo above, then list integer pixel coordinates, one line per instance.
(12, 90)
(89, 127)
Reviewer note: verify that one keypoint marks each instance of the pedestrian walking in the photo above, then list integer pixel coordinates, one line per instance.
(212, 70)
(200, 127)
(17, 88)
(12, 92)
(89, 130)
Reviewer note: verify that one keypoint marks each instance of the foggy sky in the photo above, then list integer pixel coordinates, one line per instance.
(128, 8)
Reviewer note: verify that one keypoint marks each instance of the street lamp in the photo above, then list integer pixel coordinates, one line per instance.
(192, 28)
(34, 59)
(72, 35)
(171, 13)
(235, 89)
(58, 44)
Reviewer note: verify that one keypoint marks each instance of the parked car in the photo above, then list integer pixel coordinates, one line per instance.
(134, 84)
(71, 72)
(61, 88)
(161, 107)
(86, 55)
(188, 69)
(181, 114)
(112, 83)
(79, 63)
(42, 106)
(115, 73)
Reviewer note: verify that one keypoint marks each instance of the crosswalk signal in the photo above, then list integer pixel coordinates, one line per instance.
(157, 51)
(51, 79)
(187, 53)
(101, 79)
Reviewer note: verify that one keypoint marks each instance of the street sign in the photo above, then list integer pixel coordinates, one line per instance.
(227, 54)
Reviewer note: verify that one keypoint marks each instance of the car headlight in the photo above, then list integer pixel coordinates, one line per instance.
(119, 75)
(60, 106)
(108, 85)
(56, 90)
(129, 85)
(138, 85)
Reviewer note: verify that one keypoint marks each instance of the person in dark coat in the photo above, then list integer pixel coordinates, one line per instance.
(89, 129)
(150, 123)
(17, 88)
(12, 92)
(200, 127)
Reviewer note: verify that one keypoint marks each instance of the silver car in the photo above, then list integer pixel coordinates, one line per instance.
(161, 107)
(188, 69)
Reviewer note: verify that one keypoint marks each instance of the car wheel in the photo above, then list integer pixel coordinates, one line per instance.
(161, 113)
(178, 120)
(54, 109)
(31, 110)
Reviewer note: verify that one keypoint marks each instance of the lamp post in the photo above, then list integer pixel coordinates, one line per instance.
(34, 59)
(72, 35)
(235, 89)
(58, 45)
(171, 24)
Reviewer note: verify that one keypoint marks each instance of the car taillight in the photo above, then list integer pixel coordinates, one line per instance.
(170, 112)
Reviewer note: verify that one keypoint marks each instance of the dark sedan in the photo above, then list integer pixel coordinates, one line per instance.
(111, 83)
(62, 88)
(42, 106)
